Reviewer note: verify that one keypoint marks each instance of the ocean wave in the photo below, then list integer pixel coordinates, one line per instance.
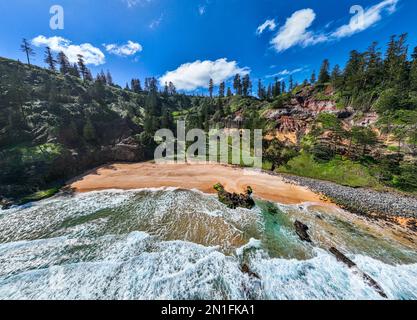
(179, 244)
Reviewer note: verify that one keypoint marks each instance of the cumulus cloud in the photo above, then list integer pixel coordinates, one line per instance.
(295, 32)
(91, 54)
(296, 29)
(268, 24)
(366, 18)
(125, 50)
(197, 74)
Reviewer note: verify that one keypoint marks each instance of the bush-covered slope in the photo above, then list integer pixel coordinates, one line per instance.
(53, 126)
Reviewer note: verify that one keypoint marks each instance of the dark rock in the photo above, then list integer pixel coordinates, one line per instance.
(344, 114)
(234, 200)
(375, 204)
(301, 230)
(342, 258)
(245, 269)
(368, 279)
(6, 204)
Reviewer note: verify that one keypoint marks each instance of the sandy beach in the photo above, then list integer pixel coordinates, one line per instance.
(192, 176)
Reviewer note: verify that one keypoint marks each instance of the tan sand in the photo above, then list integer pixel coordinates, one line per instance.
(193, 176)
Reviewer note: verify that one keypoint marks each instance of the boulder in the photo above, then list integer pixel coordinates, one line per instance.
(245, 269)
(5, 204)
(301, 230)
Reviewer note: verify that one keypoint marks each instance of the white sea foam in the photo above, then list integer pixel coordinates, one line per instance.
(139, 245)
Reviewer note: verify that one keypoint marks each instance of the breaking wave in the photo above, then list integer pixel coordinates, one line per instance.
(179, 244)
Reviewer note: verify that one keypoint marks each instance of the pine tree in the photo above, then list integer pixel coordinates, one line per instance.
(269, 92)
(373, 67)
(63, 63)
(74, 71)
(101, 77)
(167, 121)
(413, 70)
(246, 86)
(82, 67)
(49, 59)
(313, 78)
(237, 85)
(261, 90)
(211, 88)
(229, 92)
(324, 76)
(277, 88)
(395, 64)
(336, 76)
(172, 90)
(26, 48)
(136, 85)
(89, 76)
(222, 88)
(109, 78)
(166, 89)
(283, 89)
(291, 83)
(354, 72)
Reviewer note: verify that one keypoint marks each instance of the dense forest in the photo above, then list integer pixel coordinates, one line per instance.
(355, 125)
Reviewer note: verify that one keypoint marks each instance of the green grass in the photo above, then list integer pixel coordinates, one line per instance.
(344, 172)
(393, 148)
(43, 194)
(178, 114)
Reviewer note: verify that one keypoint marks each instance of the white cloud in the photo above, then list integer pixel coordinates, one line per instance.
(133, 3)
(365, 19)
(268, 24)
(155, 23)
(285, 72)
(197, 74)
(128, 49)
(91, 54)
(294, 32)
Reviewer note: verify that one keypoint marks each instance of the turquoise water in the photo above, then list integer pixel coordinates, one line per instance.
(178, 244)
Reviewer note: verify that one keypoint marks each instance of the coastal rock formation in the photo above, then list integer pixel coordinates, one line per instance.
(234, 200)
(245, 269)
(301, 230)
(360, 200)
(368, 279)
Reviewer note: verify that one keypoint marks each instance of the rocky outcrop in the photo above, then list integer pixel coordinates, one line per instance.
(368, 279)
(360, 200)
(234, 200)
(301, 230)
(245, 269)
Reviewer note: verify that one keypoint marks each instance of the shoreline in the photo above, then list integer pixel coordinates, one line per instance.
(286, 189)
(202, 177)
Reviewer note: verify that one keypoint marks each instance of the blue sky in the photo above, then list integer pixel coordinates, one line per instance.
(189, 41)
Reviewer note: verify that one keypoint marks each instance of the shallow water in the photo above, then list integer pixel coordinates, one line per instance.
(179, 244)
